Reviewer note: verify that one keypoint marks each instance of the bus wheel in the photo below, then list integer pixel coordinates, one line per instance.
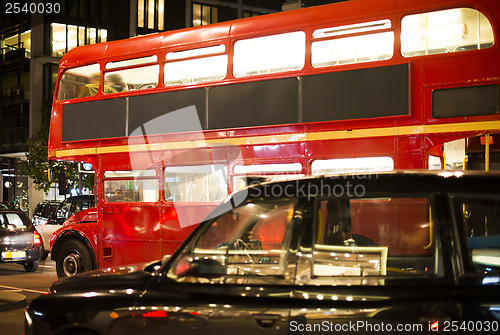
(72, 258)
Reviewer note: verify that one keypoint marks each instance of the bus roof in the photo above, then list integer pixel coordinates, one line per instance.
(271, 23)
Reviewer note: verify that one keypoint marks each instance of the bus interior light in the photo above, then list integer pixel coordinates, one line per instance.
(353, 28)
(456, 30)
(131, 62)
(268, 168)
(212, 50)
(353, 49)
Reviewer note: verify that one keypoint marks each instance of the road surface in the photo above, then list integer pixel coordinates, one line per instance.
(15, 282)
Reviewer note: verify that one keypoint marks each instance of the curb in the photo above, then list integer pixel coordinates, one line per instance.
(11, 300)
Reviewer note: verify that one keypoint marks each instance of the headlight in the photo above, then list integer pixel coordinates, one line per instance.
(28, 318)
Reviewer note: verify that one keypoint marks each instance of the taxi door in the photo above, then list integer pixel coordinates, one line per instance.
(371, 265)
(234, 276)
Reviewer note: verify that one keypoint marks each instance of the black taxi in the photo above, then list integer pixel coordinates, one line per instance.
(364, 254)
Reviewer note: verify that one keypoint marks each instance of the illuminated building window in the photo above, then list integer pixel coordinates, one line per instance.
(204, 14)
(151, 14)
(18, 41)
(140, 13)
(444, 31)
(66, 37)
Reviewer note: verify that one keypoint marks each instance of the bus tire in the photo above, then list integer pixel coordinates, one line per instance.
(73, 257)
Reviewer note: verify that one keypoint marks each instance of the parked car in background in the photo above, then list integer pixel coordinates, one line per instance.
(375, 253)
(19, 241)
(49, 216)
(45, 212)
(13, 205)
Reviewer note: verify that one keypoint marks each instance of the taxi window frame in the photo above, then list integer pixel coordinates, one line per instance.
(443, 272)
(291, 237)
(463, 263)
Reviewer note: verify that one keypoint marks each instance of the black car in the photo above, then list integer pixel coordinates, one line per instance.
(74, 205)
(375, 253)
(19, 241)
(45, 212)
(56, 212)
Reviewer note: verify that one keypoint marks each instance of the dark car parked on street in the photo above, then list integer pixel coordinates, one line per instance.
(45, 212)
(374, 253)
(19, 241)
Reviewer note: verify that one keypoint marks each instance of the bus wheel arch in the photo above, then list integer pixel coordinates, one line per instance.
(73, 255)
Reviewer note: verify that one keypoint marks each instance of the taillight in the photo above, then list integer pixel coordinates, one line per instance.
(37, 240)
(155, 314)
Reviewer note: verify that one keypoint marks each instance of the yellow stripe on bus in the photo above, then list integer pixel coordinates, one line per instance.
(288, 138)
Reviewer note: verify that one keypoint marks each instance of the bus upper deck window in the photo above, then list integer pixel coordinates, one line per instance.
(444, 31)
(79, 82)
(375, 44)
(131, 62)
(269, 54)
(196, 65)
(129, 79)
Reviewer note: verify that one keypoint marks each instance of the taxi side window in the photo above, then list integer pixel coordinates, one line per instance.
(479, 219)
(250, 241)
(375, 237)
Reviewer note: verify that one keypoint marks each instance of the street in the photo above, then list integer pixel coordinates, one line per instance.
(13, 279)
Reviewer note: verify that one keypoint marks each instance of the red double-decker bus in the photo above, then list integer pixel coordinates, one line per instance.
(173, 122)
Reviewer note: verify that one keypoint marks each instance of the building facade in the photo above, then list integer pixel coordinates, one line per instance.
(34, 37)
